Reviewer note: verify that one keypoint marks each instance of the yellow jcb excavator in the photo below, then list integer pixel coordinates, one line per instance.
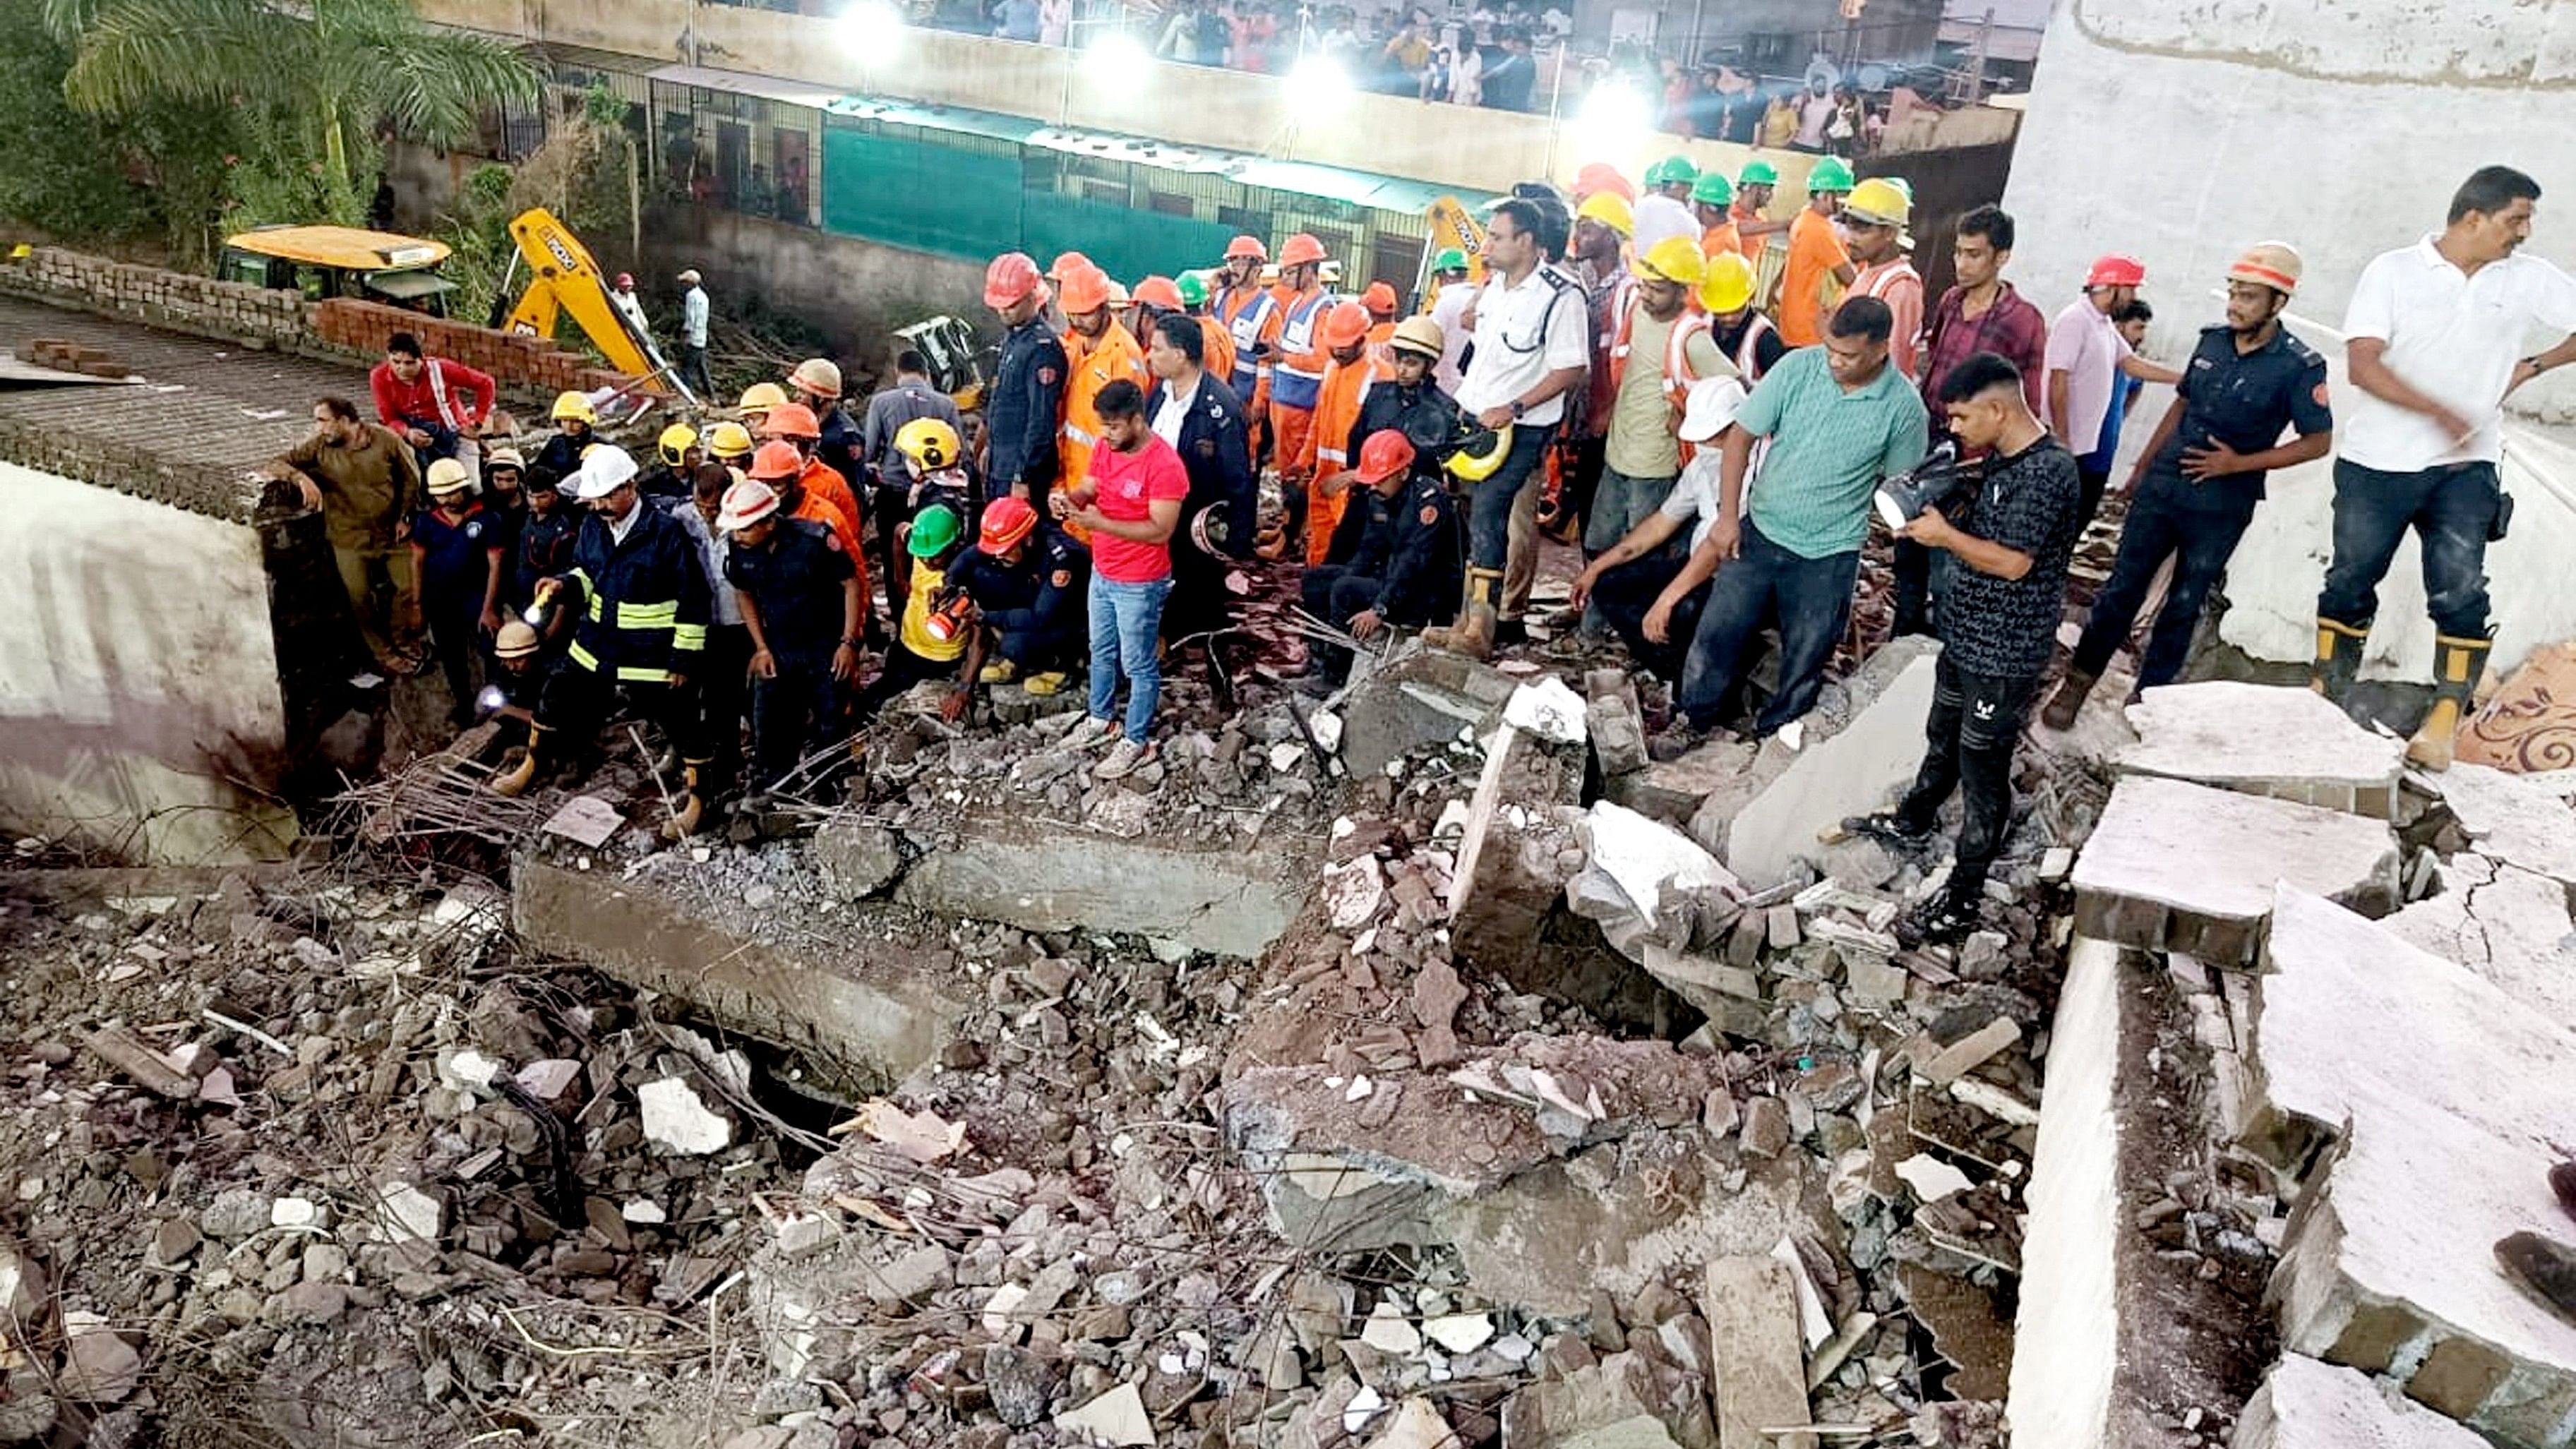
(564, 279)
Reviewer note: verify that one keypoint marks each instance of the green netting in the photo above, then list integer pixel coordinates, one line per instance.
(875, 183)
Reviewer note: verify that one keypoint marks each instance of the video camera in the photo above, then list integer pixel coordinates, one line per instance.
(1939, 481)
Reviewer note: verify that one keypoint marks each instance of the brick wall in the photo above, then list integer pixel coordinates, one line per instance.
(350, 325)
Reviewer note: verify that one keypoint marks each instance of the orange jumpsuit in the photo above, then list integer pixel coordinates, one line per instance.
(1297, 377)
(1327, 448)
(1216, 352)
(1090, 365)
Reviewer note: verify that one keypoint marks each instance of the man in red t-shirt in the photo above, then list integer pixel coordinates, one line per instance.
(436, 405)
(1130, 502)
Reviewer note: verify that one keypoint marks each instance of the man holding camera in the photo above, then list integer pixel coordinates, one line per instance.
(1998, 625)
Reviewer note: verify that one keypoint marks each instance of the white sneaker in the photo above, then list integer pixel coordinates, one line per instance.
(1090, 734)
(1123, 760)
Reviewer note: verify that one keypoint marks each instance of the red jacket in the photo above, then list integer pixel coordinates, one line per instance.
(446, 395)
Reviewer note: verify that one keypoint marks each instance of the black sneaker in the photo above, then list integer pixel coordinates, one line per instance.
(1891, 827)
(1943, 920)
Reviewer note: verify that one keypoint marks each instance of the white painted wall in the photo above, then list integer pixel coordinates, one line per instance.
(138, 670)
(2184, 133)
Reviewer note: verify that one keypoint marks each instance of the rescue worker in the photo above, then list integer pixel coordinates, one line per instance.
(676, 456)
(526, 663)
(1665, 209)
(505, 497)
(1325, 451)
(723, 686)
(1752, 209)
(2195, 488)
(1026, 404)
(435, 404)
(545, 539)
(757, 400)
(1099, 350)
(1406, 568)
(801, 606)
(924, 649)
(817, 384)
(1027, 580)
(1155, 298)
(1244, 305)
(795, 423)
(1739, 329)
(1660, 349)
(456, 555)
(1216, 341)
(1297, 351)
(1816, 255)
(790, 475)
(932, 470)
(1712, 202)
(912, 395)
(1449, 306)
(637, 596)
(1407, 401)
(1874, 218)
(730, 444)
(1380, 300)
(1601, 229)
(1531, 350)
(574, 418)
(1192, 409)
(363, 480)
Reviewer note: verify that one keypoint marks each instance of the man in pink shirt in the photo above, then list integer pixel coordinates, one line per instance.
(433, 404)
(1130, 503)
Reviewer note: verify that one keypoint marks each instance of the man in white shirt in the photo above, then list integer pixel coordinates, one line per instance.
(1533, 343)
(1636, 583)
(693, 334)
(2436, 338)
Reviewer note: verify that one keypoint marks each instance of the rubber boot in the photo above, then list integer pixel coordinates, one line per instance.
(688, 810)
(2457, 663)
(2068, 700)
(1439, 635)
(2338, 656)
(514, 782)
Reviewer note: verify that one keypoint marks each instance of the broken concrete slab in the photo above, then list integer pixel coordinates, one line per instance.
(1672, 790)
(1422, 700)
(2067, 1332)
(858, 858)
(678, 1120)
(1521, 847)
(2504, 923)
(1615, 722)
(1760, 1377)
(1854, 758)
(872, 1003)
(2184, 867)
(2411, 1177)
(1232, 902)
(1621, 1402)
(2305, 1404)
(2286, 742)
(2514, 819)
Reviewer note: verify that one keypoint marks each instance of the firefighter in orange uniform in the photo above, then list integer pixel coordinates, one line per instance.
(1297, 352)
(1348, 373)
(1098, 351)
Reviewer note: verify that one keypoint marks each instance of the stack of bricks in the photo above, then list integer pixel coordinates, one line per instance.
(56, 353)
(515, 360)
(202, 306)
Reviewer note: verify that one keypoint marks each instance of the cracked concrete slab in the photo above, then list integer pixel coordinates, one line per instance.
(2305, 1404)
(1226, 902)
(2504, 923)
(2411, 1176)
(2287, 743)
(2514, 819)
(2184, 867)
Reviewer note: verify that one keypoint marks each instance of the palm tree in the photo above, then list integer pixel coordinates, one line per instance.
(338, 71)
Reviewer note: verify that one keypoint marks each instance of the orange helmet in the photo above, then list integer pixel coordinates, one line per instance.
(1012, 275)
(1086, 289)
(1300, 250)
(1602, 176)
(1066, 264)
(1379, 299)
(1246, 246)
(791, 420)
(1160, 292)
(776, 460)
(1346, 325)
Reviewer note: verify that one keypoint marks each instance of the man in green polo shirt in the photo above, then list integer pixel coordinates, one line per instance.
(1834, 420)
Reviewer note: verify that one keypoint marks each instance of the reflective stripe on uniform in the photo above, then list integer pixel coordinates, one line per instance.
(647, 616)
(628, 674)
(689, 636)
(583, 657)
(1078, 435)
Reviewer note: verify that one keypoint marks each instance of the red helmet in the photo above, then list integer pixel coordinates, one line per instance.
(1346, 325)
(1246, 246)
(626, 279)
(1012, 276)
(1006, 522)
(1385, 454)
(2116, 270)
(1602, 176)
(791, 420)
(777, 460)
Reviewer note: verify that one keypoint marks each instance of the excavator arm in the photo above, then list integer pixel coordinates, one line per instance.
(564, 279)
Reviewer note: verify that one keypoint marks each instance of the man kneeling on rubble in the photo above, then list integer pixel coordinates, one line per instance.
(1027, 583)
(1642, 587)
(1405, 568)
(1998, 619)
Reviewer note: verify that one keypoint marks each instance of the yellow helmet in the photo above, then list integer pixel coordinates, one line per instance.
(676, 441)
(1611, 210)
(1728, 286)
(1879, 201)
(760, 397)
(575, 406)
(929, 442)
(1476, 467)
(1674, 259)
(729, 442)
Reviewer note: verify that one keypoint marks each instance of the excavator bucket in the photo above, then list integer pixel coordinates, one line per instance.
(563, 278)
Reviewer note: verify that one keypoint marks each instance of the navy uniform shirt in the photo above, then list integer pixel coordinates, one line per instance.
(456, 556)
(545, 549)
(1025, 408)
(1042, 591)
(795, 581)
(1413, 553)
(2031, 503)
(2244, 400)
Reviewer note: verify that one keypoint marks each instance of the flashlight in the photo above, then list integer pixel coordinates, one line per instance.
(490, 700)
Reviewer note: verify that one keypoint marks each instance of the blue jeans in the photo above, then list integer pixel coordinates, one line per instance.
(1126, 619)
(1812, 597)
(1489, 504)
(2449, 508)
(2198, 526)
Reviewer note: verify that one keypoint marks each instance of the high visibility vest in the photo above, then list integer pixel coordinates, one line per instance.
(1884, 281)
(1678, 376)
(1298, 374)
(1216, 353)
(1748, 349)
(1098, 363)
(1246, 312)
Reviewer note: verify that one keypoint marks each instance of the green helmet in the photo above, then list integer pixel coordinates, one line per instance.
(1830, 173)
(933, 530)
(1670, 170)
(1758, 173)
(1712, 189)
(1449, 259)
(1193, 289)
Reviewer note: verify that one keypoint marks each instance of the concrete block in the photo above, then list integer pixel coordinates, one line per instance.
(2067, 1333)
(1673, 790)
(1225, 902)
(2507, 925)
(1419, 701)
(1522, 845)
(2412, 1175)
(2173, 864)
(2305, 1404)
(2514, 819)
(1764, 820)
(1760, 1364)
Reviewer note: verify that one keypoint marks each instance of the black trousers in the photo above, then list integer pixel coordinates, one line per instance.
(791, 713)
(456, 638)
(723, 688)
(1336, 594)
(577, 701)
(1626, 594)
(1975, 722)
